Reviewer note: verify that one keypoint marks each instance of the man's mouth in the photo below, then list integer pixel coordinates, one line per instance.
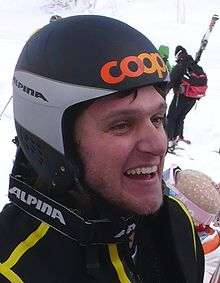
(144, 171)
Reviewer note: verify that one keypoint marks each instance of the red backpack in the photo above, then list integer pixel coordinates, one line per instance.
(195, 81)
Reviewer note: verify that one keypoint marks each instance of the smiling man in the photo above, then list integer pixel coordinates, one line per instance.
(122, 143)
(86, 191)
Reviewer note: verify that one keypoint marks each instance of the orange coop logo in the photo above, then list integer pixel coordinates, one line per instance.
(146, 63)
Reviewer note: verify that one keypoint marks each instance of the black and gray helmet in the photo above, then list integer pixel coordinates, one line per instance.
(72, 61)
(62, 68)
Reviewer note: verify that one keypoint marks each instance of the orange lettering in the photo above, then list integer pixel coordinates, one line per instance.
(125, 66)
(147, 56)
(160, 65)
(156, 65)
(107, 77)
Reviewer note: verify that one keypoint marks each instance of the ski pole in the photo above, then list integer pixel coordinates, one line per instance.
(6, 105)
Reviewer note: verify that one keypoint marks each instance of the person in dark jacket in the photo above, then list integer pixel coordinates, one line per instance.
(86, 195)
(180, 104)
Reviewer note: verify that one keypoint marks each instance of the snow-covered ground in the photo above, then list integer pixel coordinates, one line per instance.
(170, 22)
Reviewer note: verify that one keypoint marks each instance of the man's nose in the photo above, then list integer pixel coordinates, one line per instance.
(151, 140)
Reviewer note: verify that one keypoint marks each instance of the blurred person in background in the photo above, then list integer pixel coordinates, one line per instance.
(189, 83)
(198, 193)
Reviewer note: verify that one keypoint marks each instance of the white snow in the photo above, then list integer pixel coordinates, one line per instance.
(159, 21)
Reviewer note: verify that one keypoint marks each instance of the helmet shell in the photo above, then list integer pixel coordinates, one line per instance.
(70, 61)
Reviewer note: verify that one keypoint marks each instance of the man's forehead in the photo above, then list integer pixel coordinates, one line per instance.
(129, 95)
(131, 111)
(132, 104)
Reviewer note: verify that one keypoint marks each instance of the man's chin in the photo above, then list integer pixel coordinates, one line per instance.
(148, 208)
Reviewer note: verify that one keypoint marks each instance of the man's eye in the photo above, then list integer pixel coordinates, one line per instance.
(121, 127)
(159, 120)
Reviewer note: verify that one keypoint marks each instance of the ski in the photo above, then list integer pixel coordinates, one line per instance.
(205, 38)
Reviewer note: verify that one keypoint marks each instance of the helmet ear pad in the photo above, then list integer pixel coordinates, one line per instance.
(46, 161)
(54, 168)
(56, 176)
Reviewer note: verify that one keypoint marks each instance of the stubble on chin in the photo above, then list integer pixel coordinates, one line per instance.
(148, 208)
(123, 201)
(130, 204)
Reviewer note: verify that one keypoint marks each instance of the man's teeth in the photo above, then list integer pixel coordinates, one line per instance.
(142, 170)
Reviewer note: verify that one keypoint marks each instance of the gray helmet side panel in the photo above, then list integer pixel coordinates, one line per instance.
(39, 104)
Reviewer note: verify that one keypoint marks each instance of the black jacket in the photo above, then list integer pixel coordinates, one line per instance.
(167, 250)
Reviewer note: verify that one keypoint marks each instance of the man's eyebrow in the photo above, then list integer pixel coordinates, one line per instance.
(131, 112)
(121, 113)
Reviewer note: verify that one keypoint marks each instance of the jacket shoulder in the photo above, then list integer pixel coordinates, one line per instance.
(188, 245)
(14, 226)
(176, 241)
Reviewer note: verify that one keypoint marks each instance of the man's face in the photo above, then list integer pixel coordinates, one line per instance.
(122, 144)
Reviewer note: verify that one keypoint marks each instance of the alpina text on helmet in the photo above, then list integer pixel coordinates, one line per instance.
(28, 90)
(38, 204)
(145, 63)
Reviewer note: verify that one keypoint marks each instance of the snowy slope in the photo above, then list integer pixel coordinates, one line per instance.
(158, 20)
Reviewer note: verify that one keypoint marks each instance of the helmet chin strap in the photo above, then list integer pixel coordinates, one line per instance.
(66, 221)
